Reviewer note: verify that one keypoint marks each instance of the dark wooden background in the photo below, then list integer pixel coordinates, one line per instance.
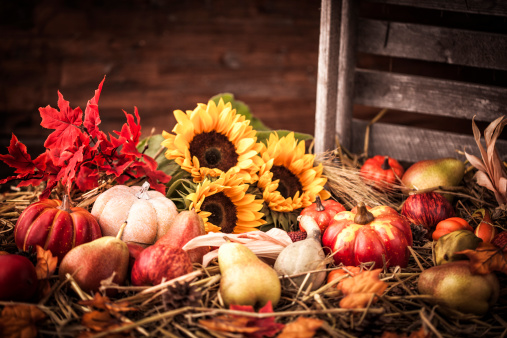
(162, 55)
(156, 55)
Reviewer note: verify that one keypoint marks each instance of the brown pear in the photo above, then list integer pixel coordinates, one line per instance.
(92, 262)
(186, 226)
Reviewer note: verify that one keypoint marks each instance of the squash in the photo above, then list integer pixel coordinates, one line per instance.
(382, 172)
(148, 214)
(322, 212)
(369, 235)
(449, 225)
(55, 226)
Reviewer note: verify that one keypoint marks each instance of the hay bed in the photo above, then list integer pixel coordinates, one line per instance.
(400, 310)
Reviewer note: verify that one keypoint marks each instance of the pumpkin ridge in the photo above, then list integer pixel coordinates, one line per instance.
(32, 223)
(48, 237)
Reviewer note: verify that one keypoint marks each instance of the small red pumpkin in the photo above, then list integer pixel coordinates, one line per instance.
(322, 212)
(449, 225)
(55, 226)
(362, 235)
(381, 171)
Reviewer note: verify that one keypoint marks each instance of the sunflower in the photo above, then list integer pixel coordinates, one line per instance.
(213, 139)
(225, 205)
(287, 179)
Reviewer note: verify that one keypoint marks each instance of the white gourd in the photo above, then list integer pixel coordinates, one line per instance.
(303, 256)
(148, 213)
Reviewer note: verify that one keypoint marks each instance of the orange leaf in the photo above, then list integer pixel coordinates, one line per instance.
(19, 321)
(249, 326)
(358, 290)
(46, 263)
(421, 333)
(301, 328)
(99, 321)
(486, 258)
(104, 303)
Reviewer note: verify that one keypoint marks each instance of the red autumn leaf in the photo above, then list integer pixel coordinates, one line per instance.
(18, 157)
(302, 327)
(91, 115)
(65, 121)
(130, 132)
(360, 289)
(248, 326)
(79, 155)
(20, 321)
(486, 258)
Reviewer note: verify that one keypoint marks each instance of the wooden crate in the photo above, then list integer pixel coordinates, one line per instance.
(476, 43)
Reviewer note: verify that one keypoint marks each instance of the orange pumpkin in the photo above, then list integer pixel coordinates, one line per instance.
(449, 225)
(55, 226)
(362, 235)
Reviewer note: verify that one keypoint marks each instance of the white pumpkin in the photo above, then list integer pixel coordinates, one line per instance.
(149, 214)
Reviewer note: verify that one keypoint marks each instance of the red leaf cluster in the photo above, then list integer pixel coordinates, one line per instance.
(78, 153)
(249, 327)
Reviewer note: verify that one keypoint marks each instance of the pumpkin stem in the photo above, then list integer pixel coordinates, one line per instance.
(363, 216)
(65, 204)
(385, 165)
(120, 232)
(320, 206)
(143, 192)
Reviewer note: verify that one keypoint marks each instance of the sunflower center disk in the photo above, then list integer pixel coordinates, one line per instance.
(214, 150)
(289, 183)
(223, 212)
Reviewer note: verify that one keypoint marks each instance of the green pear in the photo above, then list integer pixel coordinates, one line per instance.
(453, 286)
(246, 280)
(92, 262)
(433, 173)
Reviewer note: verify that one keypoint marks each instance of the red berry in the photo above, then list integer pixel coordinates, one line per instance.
(296, 236)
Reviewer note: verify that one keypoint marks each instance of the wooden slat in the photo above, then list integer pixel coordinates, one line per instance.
(325, 109)
(346, 66)
(411, 144)
(498, 7)
(430, 43)
(429, 95)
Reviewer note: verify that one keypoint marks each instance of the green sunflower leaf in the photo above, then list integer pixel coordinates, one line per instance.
(156, 151)
(241, 108)
(263, 136)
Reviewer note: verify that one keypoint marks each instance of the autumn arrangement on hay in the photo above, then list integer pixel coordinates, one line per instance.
(221, 225)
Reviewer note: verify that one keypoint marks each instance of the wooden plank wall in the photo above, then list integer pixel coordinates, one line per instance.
(158, 56)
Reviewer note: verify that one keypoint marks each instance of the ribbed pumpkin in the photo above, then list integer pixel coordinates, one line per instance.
(55, 226)
(369, 235)
(148, 213)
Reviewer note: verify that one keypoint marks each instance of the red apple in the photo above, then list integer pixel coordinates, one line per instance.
(159, 262)
(427, 209)
(18, 279)
(134, 252)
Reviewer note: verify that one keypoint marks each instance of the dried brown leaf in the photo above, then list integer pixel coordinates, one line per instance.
(46, 263)
(486, 258)
(19, 321)
(491, 173)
